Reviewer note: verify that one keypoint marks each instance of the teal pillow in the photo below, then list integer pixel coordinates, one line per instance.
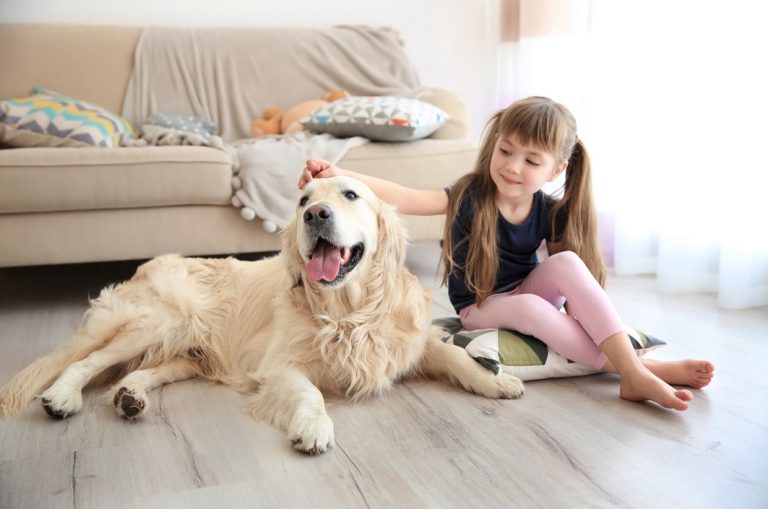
(525, 356)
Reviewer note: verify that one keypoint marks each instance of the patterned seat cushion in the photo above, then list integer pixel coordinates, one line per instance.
(49, 119)
(525, 356)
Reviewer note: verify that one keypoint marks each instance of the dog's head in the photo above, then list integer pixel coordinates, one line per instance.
(341, 232)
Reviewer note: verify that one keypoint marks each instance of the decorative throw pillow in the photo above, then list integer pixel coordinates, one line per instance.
(524, 356)
(178, 122)
(382, 118)
(49, 119)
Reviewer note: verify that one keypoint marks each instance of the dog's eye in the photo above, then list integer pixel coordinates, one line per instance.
(350, 195)
(303, 201)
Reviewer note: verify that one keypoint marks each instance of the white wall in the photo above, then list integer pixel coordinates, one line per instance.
(452, 42)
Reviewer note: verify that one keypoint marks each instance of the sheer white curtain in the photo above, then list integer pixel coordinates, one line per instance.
(542, 50)
(671, 102)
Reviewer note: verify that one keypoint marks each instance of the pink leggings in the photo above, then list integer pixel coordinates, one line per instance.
(534, 308)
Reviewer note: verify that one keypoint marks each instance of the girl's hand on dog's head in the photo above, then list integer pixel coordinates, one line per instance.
(317, 168)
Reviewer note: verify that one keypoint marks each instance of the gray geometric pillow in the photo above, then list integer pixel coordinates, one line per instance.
(525, 356)
(178, 122)
(384, 118)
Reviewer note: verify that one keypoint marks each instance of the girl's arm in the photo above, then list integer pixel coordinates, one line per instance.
(417, 202)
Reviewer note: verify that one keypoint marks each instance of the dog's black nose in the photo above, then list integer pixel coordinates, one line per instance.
(318, 214)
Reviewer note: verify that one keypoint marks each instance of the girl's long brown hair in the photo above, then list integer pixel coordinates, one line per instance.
(551, 127)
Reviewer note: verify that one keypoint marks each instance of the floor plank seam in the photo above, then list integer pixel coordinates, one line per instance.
(74, 479)
(197, 478)
(352, 475)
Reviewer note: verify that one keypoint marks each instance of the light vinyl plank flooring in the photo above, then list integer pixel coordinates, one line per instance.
(568, 442)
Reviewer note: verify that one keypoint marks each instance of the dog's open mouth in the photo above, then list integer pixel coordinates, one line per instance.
(329, 264)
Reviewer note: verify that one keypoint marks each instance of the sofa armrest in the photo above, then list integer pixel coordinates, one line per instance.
(457, 126)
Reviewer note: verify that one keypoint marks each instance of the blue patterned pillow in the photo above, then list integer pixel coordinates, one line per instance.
(49, 119)
(384, 118)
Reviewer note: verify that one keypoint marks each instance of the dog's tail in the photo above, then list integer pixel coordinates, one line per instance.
(101, 325)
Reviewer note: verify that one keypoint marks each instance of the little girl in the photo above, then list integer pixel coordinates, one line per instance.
(498, 217)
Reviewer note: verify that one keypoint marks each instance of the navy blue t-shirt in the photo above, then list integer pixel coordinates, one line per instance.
(517, 245)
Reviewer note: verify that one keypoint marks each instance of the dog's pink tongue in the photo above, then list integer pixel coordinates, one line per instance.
(325, 262)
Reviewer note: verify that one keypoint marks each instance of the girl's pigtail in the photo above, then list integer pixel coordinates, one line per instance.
(574, 217)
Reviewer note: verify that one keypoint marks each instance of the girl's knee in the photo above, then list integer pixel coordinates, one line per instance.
(566, 257)
(567, 261)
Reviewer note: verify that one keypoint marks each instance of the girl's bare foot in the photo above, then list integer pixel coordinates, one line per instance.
(648, 380)
(643, 385)
(690, 372)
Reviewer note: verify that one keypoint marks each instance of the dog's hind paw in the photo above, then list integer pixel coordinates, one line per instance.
(313, 435)
(60, 404)
(130, 402)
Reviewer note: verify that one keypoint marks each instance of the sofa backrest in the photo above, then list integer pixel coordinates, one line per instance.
(92, 63)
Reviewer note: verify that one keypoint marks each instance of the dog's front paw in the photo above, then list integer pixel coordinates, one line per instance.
(312, 434)
(61, 402)
(130, 402)
(501, 386)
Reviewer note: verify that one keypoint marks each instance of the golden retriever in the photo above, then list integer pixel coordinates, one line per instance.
(336, 310)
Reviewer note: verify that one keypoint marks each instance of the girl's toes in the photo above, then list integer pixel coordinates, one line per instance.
(675, 403)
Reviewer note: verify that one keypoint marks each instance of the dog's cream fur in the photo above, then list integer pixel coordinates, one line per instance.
(264, 328)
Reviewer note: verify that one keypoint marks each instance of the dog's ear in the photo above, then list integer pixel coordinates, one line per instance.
(290, 249)
(393, 237)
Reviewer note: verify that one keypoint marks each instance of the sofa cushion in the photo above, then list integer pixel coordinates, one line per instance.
(50, 119)
(128, 234)
(424, 164)
(58, 179)
(377, 118)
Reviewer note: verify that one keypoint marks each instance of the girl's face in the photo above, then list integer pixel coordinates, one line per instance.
(519, 170)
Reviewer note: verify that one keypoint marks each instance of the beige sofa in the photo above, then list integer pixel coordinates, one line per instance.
(69, 205)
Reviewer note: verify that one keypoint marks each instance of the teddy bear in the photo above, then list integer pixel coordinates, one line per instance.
(276, 121)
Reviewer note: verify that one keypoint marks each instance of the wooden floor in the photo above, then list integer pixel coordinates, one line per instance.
(566, 443)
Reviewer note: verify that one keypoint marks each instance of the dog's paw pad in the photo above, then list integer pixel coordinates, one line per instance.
(129, 404)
